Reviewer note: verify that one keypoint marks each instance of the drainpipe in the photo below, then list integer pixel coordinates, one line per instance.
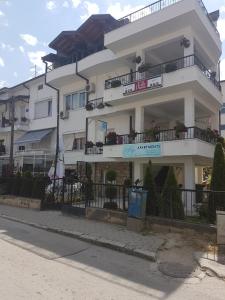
(87, 100)
(11, 155)
(57, 126)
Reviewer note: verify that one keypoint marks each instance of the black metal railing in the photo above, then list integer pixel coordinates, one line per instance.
(158, 70)
(163, 136)
(95, 103)
(147, 10)
(94, 150)
(156, 7)
(202, 5)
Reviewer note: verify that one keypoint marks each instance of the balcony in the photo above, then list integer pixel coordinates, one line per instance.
(193, 142)
(131, 81)
(155, 135)
(91, 149)
(156, 7)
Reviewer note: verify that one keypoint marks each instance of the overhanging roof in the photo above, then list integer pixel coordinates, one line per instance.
(31, 137)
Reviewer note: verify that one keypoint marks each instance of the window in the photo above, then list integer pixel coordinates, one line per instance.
(78, 144)
(43, 109)
(40, 87)
(75, 101)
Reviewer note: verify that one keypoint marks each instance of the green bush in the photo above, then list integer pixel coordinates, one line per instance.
(217, 183)
(171, 205)
(38, 188)
(26, 184)
(149, 185)
(16, 184)
(111, 192)
(110, 205)
(111, 175)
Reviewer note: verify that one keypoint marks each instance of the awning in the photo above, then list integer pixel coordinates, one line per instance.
(31, 137)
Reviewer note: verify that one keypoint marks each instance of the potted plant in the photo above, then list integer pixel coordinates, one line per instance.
(110, 190)
(89, 144)
(151, 135)
(89, 106)
(100, 105)
(111, 138)
(179, 128)
(23, 119)
(132, 135)
(99, 144)
(144, 67)
(115, 83)
(171, 67)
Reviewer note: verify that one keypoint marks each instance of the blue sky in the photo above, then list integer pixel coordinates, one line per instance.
(28, 26)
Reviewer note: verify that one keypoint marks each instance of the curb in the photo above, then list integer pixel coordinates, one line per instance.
(113, 245)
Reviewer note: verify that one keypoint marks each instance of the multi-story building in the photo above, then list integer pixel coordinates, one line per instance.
(34, 125)
(222, 111)
(143, 87)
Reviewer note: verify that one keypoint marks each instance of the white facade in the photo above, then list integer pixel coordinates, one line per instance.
(180, 47)
(28, 156)
(222, 111)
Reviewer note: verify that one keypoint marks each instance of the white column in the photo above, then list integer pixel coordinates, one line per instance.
(140, 53)
(215, 121)
(189, 60)
(189, 111)
(189, 184)
(139, 119)
(138, 171)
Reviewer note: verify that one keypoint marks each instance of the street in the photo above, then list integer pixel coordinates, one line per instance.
(36, 264)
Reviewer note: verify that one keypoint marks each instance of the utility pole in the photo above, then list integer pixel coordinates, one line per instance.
(11, 157)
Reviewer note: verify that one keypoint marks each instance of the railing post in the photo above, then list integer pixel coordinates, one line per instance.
(63, 190)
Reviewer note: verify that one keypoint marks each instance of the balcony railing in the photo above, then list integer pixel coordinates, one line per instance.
(164, 136)
(158, 70)
(94, 150)
(155, 7)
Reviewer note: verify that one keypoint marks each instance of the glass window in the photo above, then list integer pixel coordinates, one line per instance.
(75, 101)
(43, 109)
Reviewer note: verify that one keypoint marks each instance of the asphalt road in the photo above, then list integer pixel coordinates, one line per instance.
(36, 264)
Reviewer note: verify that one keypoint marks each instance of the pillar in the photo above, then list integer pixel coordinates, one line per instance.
(189, 196)
(189, 110)
(140, 53)
(139, 119)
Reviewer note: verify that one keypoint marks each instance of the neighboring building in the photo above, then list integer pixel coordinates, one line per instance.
(222, 111)
(140, 75)
(35, 122)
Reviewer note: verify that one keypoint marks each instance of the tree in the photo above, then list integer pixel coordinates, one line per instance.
(149, 185)
(171, 205)
(217, 182)
(111, 190)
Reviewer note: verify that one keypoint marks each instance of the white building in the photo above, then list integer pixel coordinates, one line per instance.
(34, 129)
(222, 111)
(149, 70)
(136, 78)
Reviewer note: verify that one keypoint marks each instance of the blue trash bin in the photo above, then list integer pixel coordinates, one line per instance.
(137, 203)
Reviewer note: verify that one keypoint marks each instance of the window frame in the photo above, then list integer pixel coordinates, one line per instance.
(73, 103)
(49, 109)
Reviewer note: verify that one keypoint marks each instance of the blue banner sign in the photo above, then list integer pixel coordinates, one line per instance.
(142, 150)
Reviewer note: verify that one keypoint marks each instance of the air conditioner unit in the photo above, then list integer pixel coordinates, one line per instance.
(64, 115)
(90, 88)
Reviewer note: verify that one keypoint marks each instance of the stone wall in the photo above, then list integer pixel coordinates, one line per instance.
(21, 202)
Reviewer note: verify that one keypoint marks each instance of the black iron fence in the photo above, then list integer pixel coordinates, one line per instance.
(158, 70)
(156, 135)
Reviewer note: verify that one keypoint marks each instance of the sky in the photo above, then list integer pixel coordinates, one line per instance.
(28, 26)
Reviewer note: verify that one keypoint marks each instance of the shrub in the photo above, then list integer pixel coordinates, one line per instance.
(110, 205)
(26, 184)
(38, 189)
(111, 175)
(171, 205)
(16, 184)
(111, 138)
(149, 185)
(217, 182)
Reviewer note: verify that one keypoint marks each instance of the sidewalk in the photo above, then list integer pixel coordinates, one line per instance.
(107, 235)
